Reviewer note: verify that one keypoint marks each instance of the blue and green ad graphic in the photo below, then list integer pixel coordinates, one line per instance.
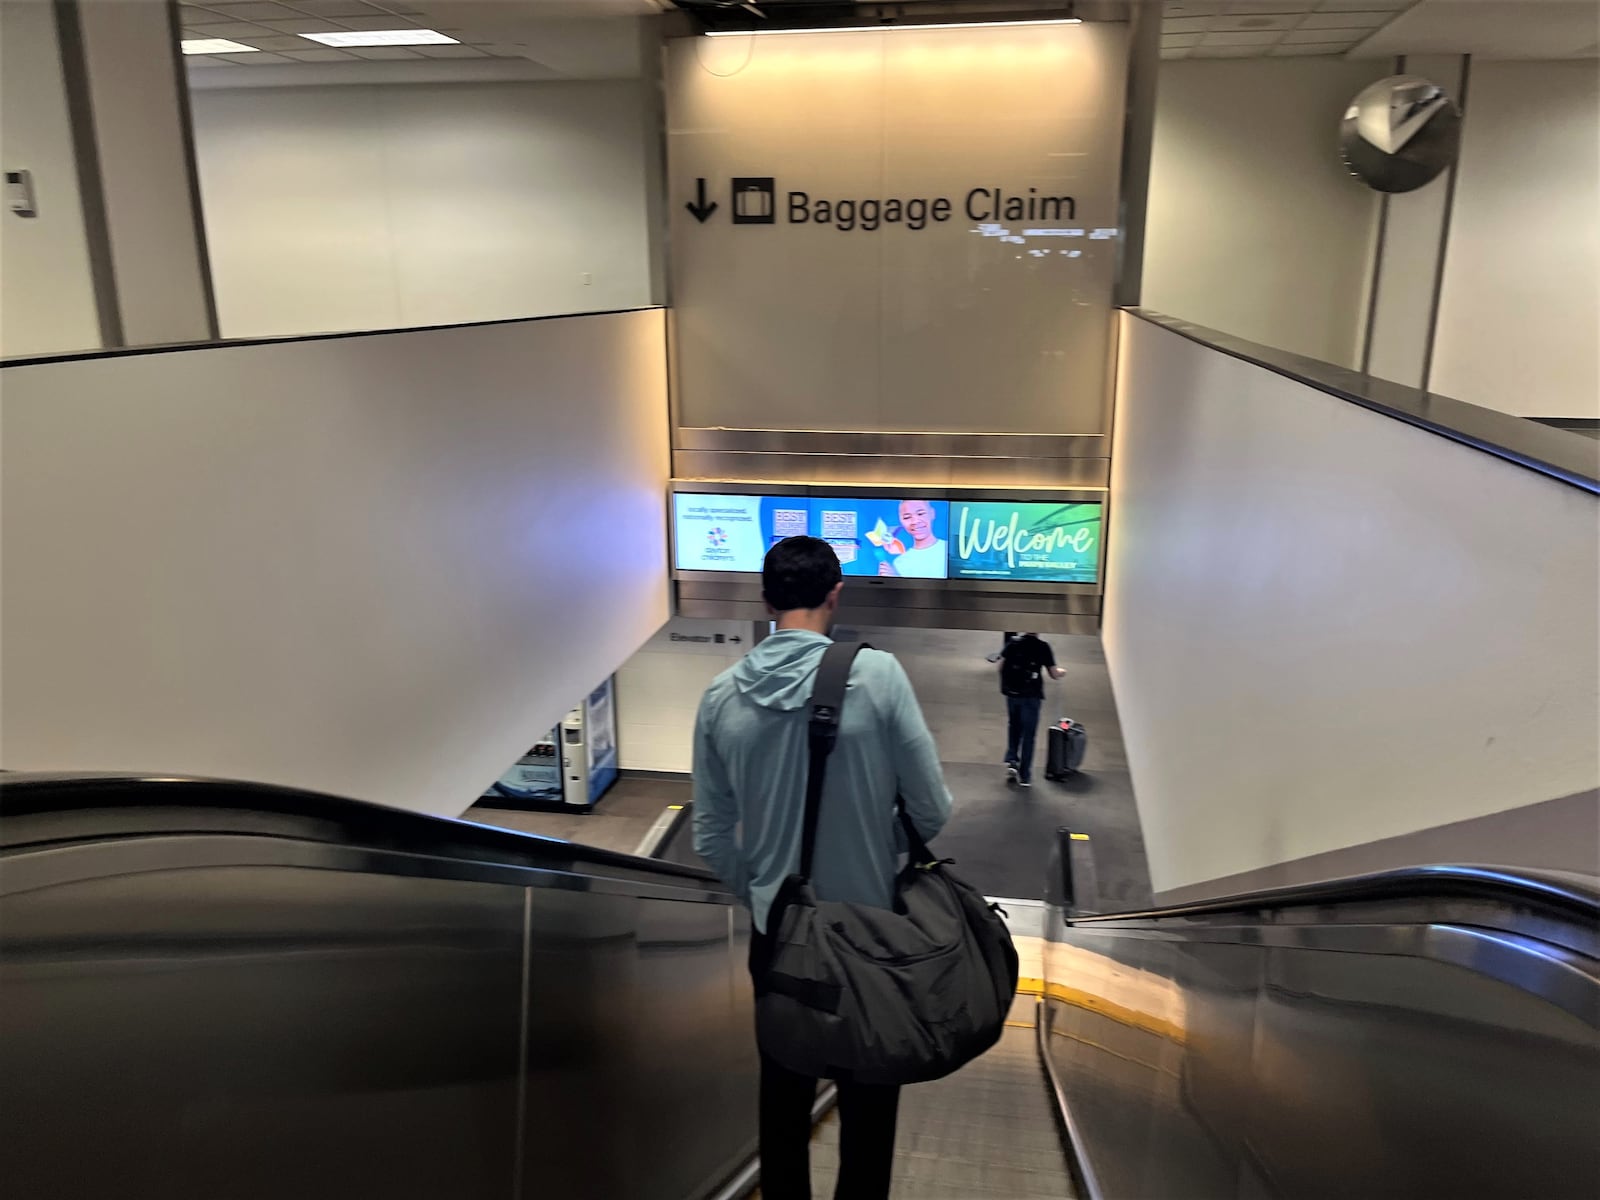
(1048, 542)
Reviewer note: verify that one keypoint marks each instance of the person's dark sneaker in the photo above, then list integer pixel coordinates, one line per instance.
(1026, 782)
(1013, 775)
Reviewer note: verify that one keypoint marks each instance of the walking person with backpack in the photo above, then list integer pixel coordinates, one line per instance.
(757, 826)
(1023, 664)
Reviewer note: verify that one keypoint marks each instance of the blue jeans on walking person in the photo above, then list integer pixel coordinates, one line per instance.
(1022, 730)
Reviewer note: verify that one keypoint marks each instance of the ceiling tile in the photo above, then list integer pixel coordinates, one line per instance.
(1177, 41)
(189, 14)
(335, 8)
(276, 42)
(1286, 51)
(450, 52)
(1271, 6)
(1191, 8)
(236, 29)
(1242, 39)
(380, 52)
(253, 12)
(505, 50)
(1185, 25)
(305, 25)
(1363, 5)
(205, 62)
(1346, 20)
(1225, 52)
(1259, 21)
(323, 55)
(1171, 54)
(256, 60)
(381, 21)
(1341, 37)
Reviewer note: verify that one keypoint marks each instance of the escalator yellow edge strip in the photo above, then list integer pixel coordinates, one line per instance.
(1030, 987)
(1122, 1015)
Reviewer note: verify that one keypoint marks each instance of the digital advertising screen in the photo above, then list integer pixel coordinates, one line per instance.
(903, 538)
(897, 538)
(1049, 542)
(911, 538)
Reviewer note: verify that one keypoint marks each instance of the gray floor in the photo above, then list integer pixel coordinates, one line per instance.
(999, 835)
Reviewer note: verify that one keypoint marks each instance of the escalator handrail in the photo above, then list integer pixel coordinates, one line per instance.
(1561, 893)
(40, 810)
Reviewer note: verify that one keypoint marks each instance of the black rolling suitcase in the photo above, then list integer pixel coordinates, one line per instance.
(1064, 748)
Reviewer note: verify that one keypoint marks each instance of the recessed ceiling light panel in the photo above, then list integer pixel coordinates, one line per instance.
(216, 46)
(382, 37)
(894, 28)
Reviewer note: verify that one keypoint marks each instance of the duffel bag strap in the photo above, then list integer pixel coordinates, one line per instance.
(921, 856)
(827, 698)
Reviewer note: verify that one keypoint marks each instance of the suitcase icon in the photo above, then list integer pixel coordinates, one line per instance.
(753, 201)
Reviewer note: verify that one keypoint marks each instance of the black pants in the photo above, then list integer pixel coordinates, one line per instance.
(866, 1130)
(1022, 729)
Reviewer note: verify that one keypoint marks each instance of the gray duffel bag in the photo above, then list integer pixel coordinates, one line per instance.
(874, 995)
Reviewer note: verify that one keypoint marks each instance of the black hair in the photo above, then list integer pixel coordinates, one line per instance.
(799, 572)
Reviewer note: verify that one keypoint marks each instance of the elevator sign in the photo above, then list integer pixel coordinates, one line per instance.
(757, 200)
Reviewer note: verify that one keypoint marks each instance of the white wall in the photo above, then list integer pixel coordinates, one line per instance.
(1520, 305)
(358, 207)
(798, 325)
(376, 566)
(1325, 627)
(659, 689)
(1255, 227)
(46, 295)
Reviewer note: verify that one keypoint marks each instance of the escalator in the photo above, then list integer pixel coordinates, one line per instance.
(1427, 1032)
(249, 993)
(240, 992)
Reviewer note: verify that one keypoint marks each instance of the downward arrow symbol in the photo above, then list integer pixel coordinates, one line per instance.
(699, 208)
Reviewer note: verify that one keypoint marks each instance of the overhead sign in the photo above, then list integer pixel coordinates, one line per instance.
(904, 231)
(755, 200)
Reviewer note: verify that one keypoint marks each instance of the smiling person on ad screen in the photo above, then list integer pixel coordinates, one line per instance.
(925, 558)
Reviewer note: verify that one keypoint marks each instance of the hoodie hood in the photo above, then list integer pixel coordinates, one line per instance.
(778, 673)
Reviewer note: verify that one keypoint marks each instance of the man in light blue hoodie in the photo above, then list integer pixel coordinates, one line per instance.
(750, 763)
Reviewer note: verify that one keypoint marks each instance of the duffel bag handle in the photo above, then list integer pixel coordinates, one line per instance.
(921, 856)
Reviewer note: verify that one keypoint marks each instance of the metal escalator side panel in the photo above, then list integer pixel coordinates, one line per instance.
(259, 1017)
(1302, 1060)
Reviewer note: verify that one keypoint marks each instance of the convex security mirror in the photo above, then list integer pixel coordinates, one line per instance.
(1400, 133)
